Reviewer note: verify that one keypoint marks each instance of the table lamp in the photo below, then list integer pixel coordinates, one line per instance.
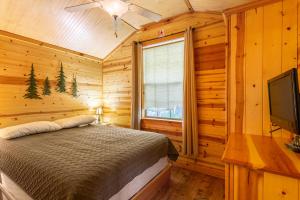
(99, 113)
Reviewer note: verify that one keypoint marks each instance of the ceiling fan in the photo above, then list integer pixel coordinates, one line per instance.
(116, 9)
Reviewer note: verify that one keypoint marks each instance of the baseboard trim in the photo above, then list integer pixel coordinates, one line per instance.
(198, 167)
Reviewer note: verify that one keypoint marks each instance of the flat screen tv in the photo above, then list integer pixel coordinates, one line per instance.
(283, 100)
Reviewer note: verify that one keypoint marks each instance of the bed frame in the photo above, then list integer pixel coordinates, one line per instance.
(3, 191)
(158, 183)
(155, 185)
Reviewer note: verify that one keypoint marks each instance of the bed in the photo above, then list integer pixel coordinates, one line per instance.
(91, 162)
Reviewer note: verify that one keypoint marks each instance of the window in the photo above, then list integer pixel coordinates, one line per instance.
(163, 80)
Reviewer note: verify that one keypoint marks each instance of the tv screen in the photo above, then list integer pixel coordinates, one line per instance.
(283, 101)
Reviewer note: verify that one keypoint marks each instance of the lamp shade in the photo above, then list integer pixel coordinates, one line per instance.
(99, 111)
(115, 7)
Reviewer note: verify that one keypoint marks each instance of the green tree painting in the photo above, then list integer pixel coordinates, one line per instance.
(74, 89)
(47, 87)
(61, 80)
(32, 90)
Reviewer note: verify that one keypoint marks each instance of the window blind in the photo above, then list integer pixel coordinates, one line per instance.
(163, 80)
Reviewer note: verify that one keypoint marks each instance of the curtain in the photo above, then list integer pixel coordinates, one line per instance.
(136, 113)
(190, 119)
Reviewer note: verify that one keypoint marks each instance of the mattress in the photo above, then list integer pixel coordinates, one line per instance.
(91, 163)
(129, 190)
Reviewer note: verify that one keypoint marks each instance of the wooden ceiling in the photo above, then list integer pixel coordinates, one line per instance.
(90, 31)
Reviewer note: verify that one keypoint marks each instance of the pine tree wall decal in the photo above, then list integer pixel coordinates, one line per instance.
(32, 90)
(61, 80)
(47, 87)
(74, 89)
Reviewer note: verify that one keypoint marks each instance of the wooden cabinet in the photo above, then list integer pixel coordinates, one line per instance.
(243, 183)
(248, 184)
(278, 187)
(260, 168)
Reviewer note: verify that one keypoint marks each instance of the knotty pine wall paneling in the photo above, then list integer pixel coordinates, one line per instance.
(17, 54)
(269, 46)
(209, 37)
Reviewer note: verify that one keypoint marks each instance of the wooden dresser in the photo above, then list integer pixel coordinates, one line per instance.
(262, 168)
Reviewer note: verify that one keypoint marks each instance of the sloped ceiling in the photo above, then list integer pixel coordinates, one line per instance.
(91, 31)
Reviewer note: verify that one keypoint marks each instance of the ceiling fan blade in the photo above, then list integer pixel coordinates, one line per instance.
(83, 6)
(144, 12)
(126, 22)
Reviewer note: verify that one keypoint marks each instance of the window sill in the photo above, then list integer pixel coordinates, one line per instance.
(162, 120)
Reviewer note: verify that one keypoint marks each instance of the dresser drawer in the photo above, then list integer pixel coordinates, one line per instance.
(280, 187)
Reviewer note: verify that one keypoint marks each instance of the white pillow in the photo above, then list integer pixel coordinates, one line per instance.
(75, 121)
(28, 129)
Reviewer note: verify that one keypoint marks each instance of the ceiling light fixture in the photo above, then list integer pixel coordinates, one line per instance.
(116, 9)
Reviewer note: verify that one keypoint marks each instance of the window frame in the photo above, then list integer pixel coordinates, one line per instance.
(150, 44)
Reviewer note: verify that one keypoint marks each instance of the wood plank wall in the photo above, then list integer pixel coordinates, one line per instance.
(263, 44)
(17, 54)
(210, 76)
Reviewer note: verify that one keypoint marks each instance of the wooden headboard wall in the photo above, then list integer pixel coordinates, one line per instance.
(17, 54)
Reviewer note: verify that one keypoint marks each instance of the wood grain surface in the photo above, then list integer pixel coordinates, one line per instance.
(262, 153)
(209, 37)
(17, 54)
